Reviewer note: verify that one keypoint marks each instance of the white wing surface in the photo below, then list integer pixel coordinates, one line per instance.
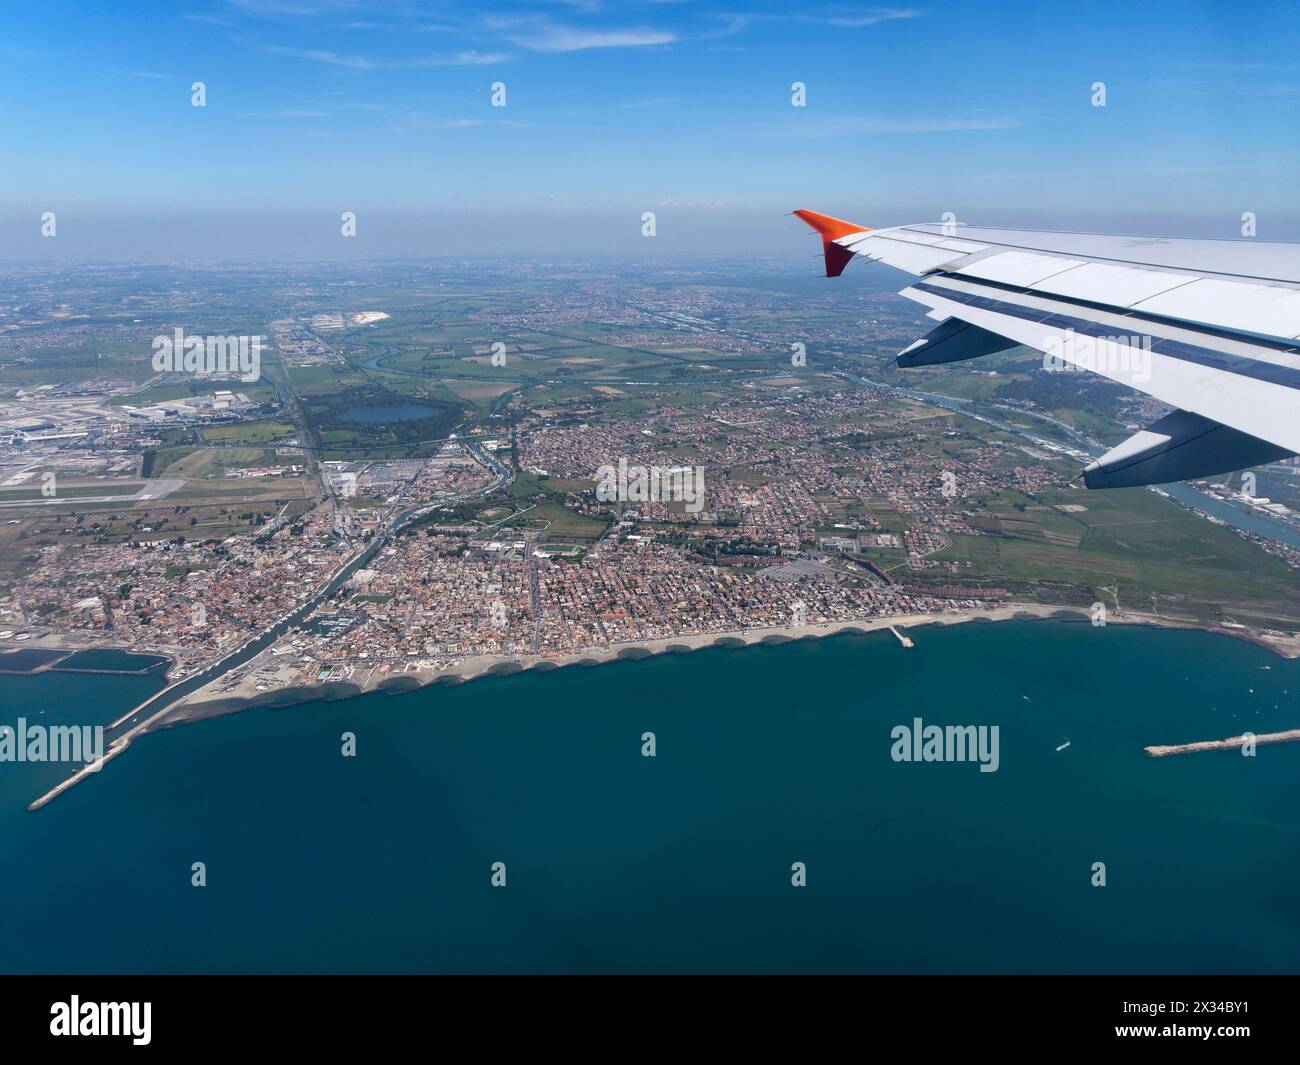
(1211, 327)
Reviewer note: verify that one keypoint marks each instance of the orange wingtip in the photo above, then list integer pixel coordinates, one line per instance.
(831, 228)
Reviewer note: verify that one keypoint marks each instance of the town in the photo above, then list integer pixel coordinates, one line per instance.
(433, 490)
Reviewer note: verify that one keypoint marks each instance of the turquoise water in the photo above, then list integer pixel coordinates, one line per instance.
(615, 862)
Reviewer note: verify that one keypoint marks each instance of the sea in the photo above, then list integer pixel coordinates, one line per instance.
(519, 823)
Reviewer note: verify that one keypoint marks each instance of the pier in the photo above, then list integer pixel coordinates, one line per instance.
(1230, 744)
(906, 641)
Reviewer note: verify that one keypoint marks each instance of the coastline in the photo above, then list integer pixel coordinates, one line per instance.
(243, 695)
(761, 751)
(200, 706)
(205, 704)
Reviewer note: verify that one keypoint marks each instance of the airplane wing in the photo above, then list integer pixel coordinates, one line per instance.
(1210, 327)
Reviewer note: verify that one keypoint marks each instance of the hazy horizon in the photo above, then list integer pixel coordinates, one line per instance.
(549, 128)
(252, 236)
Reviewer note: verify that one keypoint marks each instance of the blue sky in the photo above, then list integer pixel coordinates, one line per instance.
(319, 106)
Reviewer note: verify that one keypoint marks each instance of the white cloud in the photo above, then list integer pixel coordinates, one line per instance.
(273, 9)
(287, 112)
(858, 19)
(152, 75)
(852, 125)
(362, 62)
(551, 38)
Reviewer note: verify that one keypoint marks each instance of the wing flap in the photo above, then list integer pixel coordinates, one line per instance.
(1256, 396)
(952, 340)
(1269, 310)
(1179, 447)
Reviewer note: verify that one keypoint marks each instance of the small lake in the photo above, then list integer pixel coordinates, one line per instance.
(392, 412)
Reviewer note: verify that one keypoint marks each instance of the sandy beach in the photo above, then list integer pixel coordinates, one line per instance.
(209, 702)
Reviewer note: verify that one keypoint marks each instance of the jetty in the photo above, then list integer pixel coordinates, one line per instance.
(1230, 744)
(906, 641)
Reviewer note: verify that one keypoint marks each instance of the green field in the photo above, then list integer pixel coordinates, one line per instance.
(195, 462)
(1150, 548)
(249, 433)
